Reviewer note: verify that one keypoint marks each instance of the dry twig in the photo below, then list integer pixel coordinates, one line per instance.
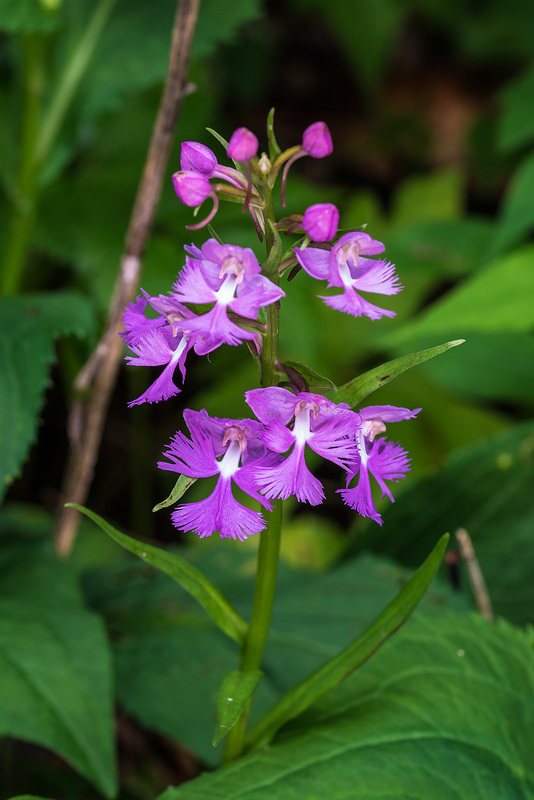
(476, 578)
(98, 377)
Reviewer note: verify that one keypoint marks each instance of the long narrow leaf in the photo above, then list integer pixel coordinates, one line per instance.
(305, 693)
(181, 486)
(189, 577)
(356, 390)
(235, 690)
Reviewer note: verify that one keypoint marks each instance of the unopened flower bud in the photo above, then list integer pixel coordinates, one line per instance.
(320, 222)
(243, 145)
(316, 140)
(197, 157)
(191, 187)
(264, 164)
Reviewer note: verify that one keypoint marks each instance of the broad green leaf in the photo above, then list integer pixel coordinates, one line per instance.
(235, 690)
(181, 486)
(181, 571)
(165, 646)
(438, 247)
(485, 488)
(28, 327)
(516, 217)
(493, 365)
(444, 711)
(302, 696)
(430, 197)
(358, 389)
(55, 666)
(314, 380)
(497, 298)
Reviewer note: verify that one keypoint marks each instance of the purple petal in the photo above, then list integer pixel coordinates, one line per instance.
(351, 303)
(388, 461)
(379, 277)
(335, 440)
(277, 437)
(290, 477)
(387, 413)
(191, 287)
(195, 459)
(314, 260)
(272, 403)
(360, 498)
(254, 293)
(216, 327)
(366, 244)
(162, 388)
(135, 322)
(220, 512)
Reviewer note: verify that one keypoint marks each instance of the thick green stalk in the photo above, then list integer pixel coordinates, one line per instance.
(269, 549)
(23, 214)
(254, 645)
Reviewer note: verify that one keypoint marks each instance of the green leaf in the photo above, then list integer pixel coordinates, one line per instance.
(490, 365)
(166, 647)
(274, 147)
(235, 690)
(516, 216)
(55, 666)
(444, 711)
(28, 327)
(219, 138)
(189, 577)
(438, 196)
(300, 697)
(28, 16)
(485, 488)
(314, 380)
(516, 123)
(180, 488)
(356, 390)
(134, 49)
(497, 298)
(28, 797)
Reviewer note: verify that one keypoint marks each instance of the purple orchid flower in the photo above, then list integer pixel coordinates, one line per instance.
(384, 460)
(328, 429)
(231, 277)
(347, 267)
(230, 449)
(159, 342)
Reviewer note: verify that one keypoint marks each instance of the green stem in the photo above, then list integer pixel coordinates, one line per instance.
(252, 652)
(70, 80)
(269, 549)
(38, 140)
(23, 213)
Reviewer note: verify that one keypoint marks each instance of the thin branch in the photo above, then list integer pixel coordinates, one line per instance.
(98, 377)
(476, 578)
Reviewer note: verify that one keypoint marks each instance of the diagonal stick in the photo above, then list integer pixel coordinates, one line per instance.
(98, 377)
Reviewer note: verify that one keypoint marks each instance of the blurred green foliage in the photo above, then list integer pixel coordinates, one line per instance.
(430, 106)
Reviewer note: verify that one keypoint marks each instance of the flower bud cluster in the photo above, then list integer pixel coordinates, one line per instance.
(264, 457)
